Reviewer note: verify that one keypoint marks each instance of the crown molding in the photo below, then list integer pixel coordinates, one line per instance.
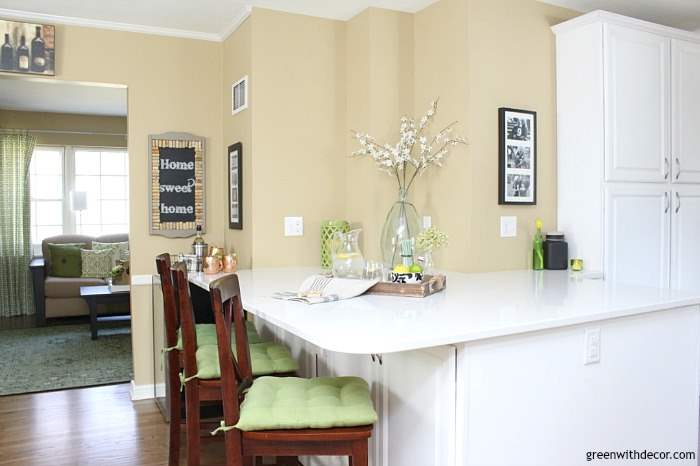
(111, 25)
(237, 21)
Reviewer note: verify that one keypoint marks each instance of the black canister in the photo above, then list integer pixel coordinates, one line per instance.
(556, 252)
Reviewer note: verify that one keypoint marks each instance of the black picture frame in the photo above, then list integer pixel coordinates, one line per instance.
(517, 156)
(235, 186)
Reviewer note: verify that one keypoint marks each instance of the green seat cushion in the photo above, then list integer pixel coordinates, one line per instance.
(265, 358)
(295, 403)
(66, 260)
(206, 335)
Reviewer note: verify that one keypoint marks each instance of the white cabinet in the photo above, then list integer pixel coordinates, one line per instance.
(637, 95)
(686, 112)
(414, 394)
(685, 244)
(418, 423)
(637, 230)
(628, 143)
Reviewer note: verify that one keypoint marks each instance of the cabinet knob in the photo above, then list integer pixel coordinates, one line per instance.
(678, 202)
(678, 168)
(667, 202)
(666, 168)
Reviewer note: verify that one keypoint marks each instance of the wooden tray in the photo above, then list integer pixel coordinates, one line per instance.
(431, 284)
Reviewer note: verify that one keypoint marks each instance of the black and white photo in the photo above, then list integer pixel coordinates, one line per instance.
(519, 186)
(519, 129)
(235, 186)
(517, 165)
(519, 157)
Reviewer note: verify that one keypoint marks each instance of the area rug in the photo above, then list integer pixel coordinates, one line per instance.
(63, 356)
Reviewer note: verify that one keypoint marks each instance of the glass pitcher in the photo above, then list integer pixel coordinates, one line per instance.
(348, 261)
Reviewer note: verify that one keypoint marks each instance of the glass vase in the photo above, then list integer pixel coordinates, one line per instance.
(401, 223)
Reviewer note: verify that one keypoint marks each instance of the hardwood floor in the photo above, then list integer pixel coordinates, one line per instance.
(98, 426)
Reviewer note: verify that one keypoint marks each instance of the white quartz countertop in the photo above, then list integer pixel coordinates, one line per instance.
(473, 307)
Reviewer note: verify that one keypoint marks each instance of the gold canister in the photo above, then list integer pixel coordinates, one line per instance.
(230, 263)
(216, 251)
(212, 265)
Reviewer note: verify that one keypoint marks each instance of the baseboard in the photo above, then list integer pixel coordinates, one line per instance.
(146, 392)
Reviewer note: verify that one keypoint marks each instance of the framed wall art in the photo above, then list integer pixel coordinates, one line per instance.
(176, 184)
(235, 186)
(517, 152)
(27, 48)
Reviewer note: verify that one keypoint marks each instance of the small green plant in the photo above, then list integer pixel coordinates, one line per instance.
(431, 239)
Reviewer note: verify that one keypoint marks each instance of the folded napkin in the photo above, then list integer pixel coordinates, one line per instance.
(320, 289)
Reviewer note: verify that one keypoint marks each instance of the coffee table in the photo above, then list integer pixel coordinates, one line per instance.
(102, 294)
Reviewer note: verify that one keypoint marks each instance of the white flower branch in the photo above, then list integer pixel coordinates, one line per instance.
(413, 153)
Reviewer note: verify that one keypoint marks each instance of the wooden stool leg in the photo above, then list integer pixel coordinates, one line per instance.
(359, 453)
(174, 407)
(192, 414)
(234, 454)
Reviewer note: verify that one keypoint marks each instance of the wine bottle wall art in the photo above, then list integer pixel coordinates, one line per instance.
(27, 48)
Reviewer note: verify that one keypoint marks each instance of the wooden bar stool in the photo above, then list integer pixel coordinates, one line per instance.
(174, 364)
(202, 376)
(173, 360)
(283, 417)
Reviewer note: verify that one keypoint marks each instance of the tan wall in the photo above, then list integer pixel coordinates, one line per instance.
(237, 62)
(298, 132)
(173, 85)
(476, 56)
(379, 91)
(68, 122)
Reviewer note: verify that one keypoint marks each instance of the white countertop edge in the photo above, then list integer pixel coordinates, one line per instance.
(417, 344)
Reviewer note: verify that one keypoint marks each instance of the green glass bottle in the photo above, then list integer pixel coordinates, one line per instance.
(537, 248)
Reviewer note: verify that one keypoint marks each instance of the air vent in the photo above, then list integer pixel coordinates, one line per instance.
(239, 95)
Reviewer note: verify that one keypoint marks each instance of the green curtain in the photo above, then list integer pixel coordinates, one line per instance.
(16, 297)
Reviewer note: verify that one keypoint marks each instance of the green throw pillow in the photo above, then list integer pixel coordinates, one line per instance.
(65, 260)
(97, 264)
(120, 250)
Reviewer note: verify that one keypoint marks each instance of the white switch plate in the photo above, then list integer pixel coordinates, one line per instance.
(509, 227)
(293, 226)
(427, 222)
(592, 348)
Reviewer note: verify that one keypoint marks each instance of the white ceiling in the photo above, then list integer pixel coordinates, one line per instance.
(684, 14)
(202, 19)
(215, 19)
(43, 95)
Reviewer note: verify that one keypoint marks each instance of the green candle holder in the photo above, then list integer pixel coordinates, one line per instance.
(328, 230)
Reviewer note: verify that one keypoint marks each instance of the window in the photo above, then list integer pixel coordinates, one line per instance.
(103, 176)
(57, 173)
(47, 192)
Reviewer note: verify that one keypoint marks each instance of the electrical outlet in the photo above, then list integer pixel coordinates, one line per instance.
(509, 227)
(592, 348)
(427, 222)
(293, 226)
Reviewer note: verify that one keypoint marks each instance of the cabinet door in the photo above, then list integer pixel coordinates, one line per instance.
(685, 244)
(637, 110)
(686, 112)
(637, 227)
(418, 419)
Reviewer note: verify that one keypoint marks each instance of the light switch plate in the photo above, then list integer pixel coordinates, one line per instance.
(592, 346)
(509, 227)
(293, 226)
(427, 222)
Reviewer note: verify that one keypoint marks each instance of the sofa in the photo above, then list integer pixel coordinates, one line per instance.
(59, 296)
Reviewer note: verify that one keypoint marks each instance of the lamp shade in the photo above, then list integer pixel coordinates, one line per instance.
(78, 200)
